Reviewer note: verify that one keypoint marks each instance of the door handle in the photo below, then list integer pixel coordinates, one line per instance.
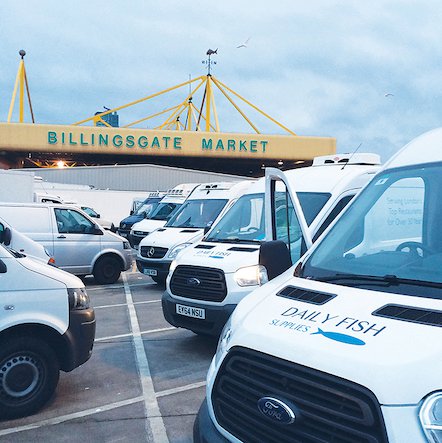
(61, 236)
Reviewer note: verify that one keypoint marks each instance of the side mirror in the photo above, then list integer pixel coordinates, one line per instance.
(6, 236)
(131, 212)
(97, 216)
(3, 268)
(275, 257)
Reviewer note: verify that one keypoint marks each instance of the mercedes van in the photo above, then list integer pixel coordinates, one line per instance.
(76, 242)
(186, 226)
(157, 218)
(143, 210)
(46, 325)
(345, 345)
(209, 278)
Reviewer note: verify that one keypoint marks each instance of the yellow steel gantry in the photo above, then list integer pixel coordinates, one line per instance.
(203, 119)
(21, 81)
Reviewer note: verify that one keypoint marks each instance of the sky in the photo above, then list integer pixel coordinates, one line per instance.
(367, 73)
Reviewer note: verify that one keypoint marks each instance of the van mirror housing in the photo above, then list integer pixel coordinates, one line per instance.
(275, 257)
(3, 268)
(5, 236)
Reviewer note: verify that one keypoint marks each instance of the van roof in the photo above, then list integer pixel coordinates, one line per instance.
(362, 158)
(220, 190)
(427, 148)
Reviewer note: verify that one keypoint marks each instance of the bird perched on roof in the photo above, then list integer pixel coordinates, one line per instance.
(211, 51)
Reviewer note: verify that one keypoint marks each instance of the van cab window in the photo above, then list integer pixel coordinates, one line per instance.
(72, 222)
(390, 238)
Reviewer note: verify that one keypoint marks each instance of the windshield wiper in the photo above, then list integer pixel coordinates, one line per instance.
(232, 240)
(389, 279)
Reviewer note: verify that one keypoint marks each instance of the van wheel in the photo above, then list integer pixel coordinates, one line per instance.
(107, 270)
(29, 372)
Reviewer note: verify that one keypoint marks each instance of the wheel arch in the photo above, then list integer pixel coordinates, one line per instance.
(57, 342)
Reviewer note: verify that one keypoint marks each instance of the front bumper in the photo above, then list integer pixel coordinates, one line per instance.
(154, 268)
(204, 431)
(79, 339)
(215, 316)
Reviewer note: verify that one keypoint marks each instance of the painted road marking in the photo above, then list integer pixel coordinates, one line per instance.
(96, 410)
(155, 421)
(124, 304)
(129, 334)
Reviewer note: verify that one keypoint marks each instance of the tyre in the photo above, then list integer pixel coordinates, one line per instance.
(107, 270)
(29, 372)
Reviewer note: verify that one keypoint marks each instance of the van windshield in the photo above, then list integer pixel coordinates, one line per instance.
(390, 238)
(163, 211)
(147, 207)
(244, 222)
(197, 213)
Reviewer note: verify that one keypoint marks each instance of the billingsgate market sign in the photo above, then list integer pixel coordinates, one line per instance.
(128, 141)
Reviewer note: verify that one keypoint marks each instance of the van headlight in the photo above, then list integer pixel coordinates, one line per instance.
(431, 417)
(177, 249)
(251, 276)
(78, 299)
(223, 341)
(126, 245)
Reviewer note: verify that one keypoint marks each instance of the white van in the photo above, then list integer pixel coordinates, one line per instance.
(46, 325)
(345, 346)
(170, 203)
(186, 226)
(12, 239)
(208, 279)
(76, 242)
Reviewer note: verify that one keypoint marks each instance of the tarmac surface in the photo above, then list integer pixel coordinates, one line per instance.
(144, 382)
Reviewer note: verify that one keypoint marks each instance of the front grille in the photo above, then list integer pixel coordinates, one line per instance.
(153, 252)
(199, 283)
(330, 409)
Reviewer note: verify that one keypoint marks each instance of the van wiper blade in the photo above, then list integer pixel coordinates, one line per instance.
(232, 240)
(389, 279)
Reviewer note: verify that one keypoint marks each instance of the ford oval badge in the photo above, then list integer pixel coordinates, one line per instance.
(193, 281)
(276, 410)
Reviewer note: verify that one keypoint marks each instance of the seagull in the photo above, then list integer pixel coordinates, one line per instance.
(388, 94)
(244, 45)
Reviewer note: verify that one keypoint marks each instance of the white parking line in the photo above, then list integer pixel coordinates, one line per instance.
(96, 410)
(97, 288)
(129, 334)
(124, 304)
(155, 422)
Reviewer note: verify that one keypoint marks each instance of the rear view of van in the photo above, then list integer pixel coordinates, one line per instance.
(76, 242)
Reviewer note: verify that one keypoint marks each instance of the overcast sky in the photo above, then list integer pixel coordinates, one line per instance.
(363, 72)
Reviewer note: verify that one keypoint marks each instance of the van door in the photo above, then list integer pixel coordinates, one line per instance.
(284, 218)
(77, 241)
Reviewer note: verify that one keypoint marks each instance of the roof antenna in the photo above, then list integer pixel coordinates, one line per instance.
(351, 156)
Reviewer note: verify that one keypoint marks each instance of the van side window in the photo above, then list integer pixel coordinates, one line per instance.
(333, 214)
(72, 222)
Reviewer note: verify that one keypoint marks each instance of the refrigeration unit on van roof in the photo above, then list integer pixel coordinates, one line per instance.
(362, 158)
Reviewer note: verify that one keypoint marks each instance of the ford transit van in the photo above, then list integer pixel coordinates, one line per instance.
(346, 344)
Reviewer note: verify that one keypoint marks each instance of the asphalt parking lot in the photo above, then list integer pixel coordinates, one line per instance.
(144, 382)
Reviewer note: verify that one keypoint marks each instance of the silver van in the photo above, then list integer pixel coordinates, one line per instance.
(77, 243)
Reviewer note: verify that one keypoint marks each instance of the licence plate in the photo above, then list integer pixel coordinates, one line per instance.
(153, 272)
(190, 311)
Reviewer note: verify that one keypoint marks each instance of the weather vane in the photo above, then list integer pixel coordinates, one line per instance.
(209, 62)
